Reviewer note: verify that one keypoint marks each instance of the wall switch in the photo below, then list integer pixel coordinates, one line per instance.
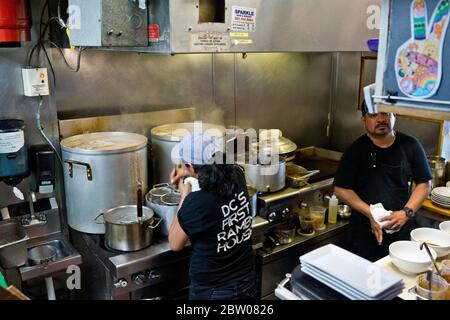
(35, 82)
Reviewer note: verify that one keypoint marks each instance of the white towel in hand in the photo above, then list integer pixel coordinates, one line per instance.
(379, 212)
(193, 182)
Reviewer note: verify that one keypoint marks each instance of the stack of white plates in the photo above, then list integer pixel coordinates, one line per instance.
(441, 196)
(349, 274)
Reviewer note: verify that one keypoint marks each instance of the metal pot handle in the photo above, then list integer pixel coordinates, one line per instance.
(96, 219)
(310, 174)
(164, 184)
(151, 225)
(87, 165)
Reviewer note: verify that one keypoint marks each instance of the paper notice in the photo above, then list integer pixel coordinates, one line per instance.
(11, 142)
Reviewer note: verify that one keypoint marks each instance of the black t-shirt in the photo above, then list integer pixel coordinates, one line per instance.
(358, 159)
(220, 232)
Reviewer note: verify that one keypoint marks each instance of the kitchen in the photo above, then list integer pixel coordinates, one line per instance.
(308, 87)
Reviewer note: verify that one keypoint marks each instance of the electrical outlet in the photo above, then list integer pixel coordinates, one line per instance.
(35, 82)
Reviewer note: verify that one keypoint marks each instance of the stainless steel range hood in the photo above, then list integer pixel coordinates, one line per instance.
(200, 26)
(197, 26)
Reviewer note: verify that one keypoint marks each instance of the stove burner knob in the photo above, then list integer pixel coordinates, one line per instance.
(285, 212)
(139, 278)
(272, 216)
(152, 275)
(122, 283)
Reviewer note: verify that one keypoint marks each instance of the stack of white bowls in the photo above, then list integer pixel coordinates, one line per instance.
(441, 196)
(445, 226)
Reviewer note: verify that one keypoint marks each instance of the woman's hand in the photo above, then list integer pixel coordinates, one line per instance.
(184, 188)
(177, 175)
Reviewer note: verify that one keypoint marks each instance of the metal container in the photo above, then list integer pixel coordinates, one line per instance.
(297, 176)
(165, 138)
(41, 255)
(266, 177)
(101, 171)
(437, 165)
(125, 232)
(344, 211)
(13, 244)
(164, 202)
(13, 151)
(285, 233)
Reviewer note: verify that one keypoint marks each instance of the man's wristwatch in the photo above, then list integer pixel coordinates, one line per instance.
(409, 212)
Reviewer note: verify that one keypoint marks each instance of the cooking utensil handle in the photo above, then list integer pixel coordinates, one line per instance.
(164, 184)
(424, 244)
(154, 226)
(139, 200)
(311, 173)
(96, 219)
(87, 165)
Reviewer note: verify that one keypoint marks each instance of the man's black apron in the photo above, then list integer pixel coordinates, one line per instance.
(390, 185)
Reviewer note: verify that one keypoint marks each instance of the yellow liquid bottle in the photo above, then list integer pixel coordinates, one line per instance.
(332, 209)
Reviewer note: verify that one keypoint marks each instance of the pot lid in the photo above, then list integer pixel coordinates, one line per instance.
(176, 131)
(283, 145)
(104, 142)
(126, 214)
(160, 191)
(171, 199)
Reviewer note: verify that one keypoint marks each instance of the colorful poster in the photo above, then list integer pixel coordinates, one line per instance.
(418, 66)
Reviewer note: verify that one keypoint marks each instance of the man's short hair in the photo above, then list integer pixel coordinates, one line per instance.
(364, 109)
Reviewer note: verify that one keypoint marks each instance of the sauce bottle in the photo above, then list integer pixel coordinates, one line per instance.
(332, 209)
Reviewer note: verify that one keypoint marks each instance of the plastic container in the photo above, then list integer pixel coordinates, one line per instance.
(445, 272)
(318, 215)
(332, 209)
(438, 288)
(306, 225)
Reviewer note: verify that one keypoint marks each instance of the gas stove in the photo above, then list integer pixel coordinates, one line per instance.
(282, 205)
(155, 272)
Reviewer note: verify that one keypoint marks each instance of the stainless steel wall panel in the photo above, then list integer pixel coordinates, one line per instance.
(121, 82)
(281, 26)
(286, 91)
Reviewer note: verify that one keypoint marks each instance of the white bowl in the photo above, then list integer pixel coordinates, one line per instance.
(407, 256)
(437, 239)
(445, 226)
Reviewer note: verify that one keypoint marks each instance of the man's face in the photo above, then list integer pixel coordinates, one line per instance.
(379, 124)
